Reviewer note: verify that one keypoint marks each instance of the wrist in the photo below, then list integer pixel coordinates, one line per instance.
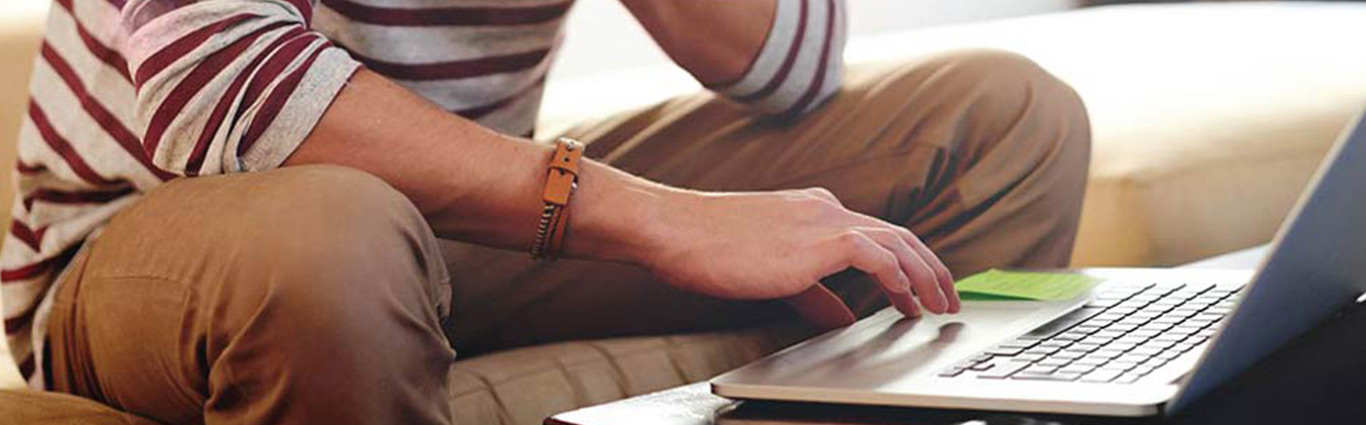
(622, 218)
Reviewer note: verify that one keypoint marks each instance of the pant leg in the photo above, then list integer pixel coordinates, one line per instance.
(304, 295)
(983, 154)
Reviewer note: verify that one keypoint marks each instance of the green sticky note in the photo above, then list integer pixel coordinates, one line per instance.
(1006, 285)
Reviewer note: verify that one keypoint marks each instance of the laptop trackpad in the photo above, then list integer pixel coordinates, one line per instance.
(888, 347)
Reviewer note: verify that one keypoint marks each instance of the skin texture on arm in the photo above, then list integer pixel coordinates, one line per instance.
(715, 40)
(470, 182)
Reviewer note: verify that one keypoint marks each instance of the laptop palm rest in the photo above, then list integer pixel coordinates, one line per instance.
(888, 349)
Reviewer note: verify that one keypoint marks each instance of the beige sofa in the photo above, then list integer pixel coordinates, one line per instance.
(1208, 121)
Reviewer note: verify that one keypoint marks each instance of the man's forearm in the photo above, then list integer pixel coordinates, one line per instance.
(472, 183)
(475, 185)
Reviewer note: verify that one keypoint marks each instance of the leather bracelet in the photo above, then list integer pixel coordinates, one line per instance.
(562, 178)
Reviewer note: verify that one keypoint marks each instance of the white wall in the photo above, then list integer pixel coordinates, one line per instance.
(602, 36)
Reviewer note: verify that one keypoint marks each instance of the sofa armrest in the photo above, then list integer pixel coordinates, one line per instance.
(21, 28)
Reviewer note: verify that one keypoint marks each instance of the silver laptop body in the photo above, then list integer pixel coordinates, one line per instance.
(1141, 342)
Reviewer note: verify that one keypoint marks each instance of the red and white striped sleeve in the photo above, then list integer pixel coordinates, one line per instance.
(800, 63)
(228, 85)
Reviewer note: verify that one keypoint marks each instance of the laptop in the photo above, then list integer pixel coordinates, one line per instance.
(1141, 342)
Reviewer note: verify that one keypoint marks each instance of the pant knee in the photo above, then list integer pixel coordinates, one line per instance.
(322, 284)
(328, 254)
(331, 232)
(998, 90)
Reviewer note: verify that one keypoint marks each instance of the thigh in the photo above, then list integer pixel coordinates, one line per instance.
(982, 154)
(221, 299)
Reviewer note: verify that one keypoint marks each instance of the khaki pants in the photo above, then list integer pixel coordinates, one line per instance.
(317, 294)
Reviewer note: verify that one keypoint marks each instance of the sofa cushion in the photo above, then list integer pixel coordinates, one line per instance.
(524, 386)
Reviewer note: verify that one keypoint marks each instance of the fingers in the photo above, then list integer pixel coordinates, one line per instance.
(941, 272)
(931, 279)
(923, 277)
(942, 276)
(867, 255)
(821, 308)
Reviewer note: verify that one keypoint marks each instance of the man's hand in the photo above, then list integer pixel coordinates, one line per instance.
(765, 245)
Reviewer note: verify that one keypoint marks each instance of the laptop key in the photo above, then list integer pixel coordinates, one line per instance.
(1101, 376)
(1037, 368)
(1108, 334)
(1121, 365)
(1158, 345)
(1144, 351)
(1106, 317)
(981, 367)
(1154, 363)
(1052, 343)
(1004, 351)
(1018, 343)
(1146, 314)
(1103, 302)
(1167, 338)
(1120, 327)
(1062, 323)
(1106, 353)
(1142, 370)
(1183, 346)
(1184, 311)
(1070, 336)
(1055, 376)
(1136, 322)
(1182, 331)
(1122, 345)
(1029, 357)
(1208, 317)
(1080, 369)
(1083, 347)
(1094, 340)
(1089, 361)
(1127, 378)
(1219, 309)
(1142, 334)
(1002, 369)
(1085, 328)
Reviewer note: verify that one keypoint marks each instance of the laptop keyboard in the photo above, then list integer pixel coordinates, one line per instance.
(1120, 336)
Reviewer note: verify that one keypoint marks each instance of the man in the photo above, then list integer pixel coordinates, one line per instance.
(296, 276)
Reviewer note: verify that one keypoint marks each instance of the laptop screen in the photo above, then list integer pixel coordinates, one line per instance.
(1317, 267)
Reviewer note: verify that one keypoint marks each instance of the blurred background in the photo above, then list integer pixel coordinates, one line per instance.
(594, 23)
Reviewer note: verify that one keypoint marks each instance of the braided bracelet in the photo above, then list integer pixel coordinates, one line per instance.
(562, 178)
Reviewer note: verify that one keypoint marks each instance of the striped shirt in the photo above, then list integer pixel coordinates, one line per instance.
(127, 94)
